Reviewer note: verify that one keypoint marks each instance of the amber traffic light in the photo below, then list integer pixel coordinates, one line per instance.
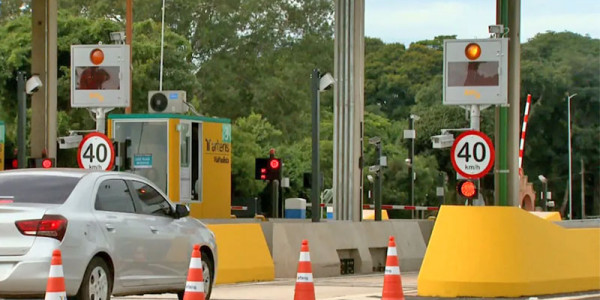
(97, 56)
(473, 51)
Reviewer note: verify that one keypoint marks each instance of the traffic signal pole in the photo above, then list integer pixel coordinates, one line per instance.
(22, 119)
(315, 186)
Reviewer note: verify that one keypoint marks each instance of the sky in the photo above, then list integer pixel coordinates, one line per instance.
(407, 21)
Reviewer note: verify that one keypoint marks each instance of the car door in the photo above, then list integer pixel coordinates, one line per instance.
(169, 255)
(124, 230)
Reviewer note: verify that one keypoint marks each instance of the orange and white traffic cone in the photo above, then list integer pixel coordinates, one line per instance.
(55, 289)
(305, 289)
(392, 281)
(194, 287)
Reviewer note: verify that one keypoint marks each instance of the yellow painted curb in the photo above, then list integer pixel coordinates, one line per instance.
(507, 252)
(243, 253)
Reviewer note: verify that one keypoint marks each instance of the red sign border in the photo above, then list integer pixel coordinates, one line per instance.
(104, 137)
(487, 140)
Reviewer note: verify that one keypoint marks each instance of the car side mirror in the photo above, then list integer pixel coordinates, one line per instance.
(181, 211)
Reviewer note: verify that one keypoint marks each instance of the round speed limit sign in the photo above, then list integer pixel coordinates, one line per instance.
(96, 152)
(472, 154)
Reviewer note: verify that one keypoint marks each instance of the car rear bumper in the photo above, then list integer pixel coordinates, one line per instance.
(27, 275)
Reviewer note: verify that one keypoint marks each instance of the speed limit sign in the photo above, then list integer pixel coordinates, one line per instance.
(96, 152)
(472, 154)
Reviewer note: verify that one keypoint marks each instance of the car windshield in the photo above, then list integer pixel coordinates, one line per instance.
(52, 189)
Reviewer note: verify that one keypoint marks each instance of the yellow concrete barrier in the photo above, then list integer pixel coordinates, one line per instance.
(548, 215)
(243, 253)
(507, 252)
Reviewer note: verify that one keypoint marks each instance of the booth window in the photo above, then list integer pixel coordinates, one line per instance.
(185, 144)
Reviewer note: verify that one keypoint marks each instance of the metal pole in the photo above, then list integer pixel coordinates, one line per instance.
(128, 40)
(440, 188)
(570, 214)
(411, 176)
(475, 117)
(378, 184)
(162, 46)
(275, 197)
(22, 119)
(315, 186)
(545, 195)
(582, 190)
(501, 180)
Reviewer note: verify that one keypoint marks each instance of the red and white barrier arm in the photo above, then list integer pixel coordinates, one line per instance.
(523, 131)
(401, 207)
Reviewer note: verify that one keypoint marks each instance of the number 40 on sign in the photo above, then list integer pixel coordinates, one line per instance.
(95, 152)
(472, 154)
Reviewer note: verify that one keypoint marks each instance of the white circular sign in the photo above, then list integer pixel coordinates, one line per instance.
(96, 152)
(472, 154)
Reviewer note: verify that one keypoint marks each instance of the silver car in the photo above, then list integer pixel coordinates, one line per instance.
(118, 235)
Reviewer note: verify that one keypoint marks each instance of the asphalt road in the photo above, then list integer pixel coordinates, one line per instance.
(363, 287)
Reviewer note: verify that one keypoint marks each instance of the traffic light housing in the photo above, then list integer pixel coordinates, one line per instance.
(467, 189)
(260, 168)
(45, 163)
(267, 168)
(274, 169)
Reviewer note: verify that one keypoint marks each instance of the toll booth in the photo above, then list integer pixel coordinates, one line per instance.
(188, 157)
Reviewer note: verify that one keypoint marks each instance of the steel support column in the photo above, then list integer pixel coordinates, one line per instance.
(348, 109)
(514, 99)
(44, 63)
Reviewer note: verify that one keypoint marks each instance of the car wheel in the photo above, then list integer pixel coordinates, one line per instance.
(97, 281)
(207, 275)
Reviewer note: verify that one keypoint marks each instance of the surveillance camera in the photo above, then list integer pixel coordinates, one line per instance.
(69, 142)
(496, 29)
(370, 178)
(442, 141)
(375, 140)
(326, 82)
(33, 84)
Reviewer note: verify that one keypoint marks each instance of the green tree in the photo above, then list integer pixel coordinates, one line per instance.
(552, 65)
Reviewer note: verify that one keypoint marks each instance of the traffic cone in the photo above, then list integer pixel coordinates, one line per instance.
(305, 289)
(55, 289)
(194, 287)
(392, 281)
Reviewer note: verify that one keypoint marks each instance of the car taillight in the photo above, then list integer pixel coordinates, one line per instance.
(53, 226)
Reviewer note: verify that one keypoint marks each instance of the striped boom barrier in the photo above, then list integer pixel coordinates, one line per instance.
(239, 208)
(401, 207)
(523, 131)
(369, 206)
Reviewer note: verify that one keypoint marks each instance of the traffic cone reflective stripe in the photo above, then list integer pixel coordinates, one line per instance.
(392, 280)
(194, 287)
(305, 289)
(55, 289)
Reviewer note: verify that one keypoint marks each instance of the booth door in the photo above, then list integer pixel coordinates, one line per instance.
(185, 145)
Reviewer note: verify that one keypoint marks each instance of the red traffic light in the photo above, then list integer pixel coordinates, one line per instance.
(274, 163)
(46, 163)
(467, 189)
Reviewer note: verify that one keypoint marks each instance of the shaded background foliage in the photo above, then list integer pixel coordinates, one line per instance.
(250, 61)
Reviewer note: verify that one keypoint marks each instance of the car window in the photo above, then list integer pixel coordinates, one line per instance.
(113, 195)
(28, 188)
(151, 201)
